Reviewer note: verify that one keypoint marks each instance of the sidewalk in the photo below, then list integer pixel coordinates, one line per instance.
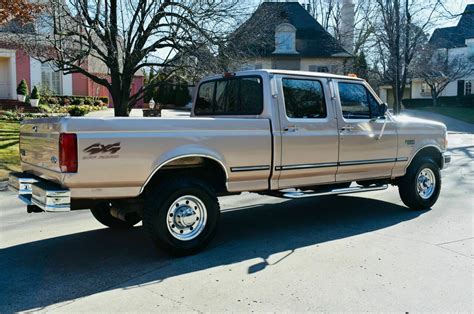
(453, 125)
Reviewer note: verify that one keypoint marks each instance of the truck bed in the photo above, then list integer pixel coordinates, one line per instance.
(116, 156)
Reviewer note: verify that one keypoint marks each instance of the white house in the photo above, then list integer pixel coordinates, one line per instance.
(454, 41)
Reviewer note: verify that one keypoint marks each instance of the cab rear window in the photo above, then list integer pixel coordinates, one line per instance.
(234, 96)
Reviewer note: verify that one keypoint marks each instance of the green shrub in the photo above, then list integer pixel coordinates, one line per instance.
(35, 93)
(448, 101)
(182, 96)
(77, 102)
(104, 99)
(22, 88)
(45, 108)
(20, 116)
(78, 111)
(468, 100)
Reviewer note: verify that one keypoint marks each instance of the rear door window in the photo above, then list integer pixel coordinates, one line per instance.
(235, 96)
(304, 99)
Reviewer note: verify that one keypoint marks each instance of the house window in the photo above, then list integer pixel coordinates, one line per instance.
(470, 47)
(285, 37)
(51, 79)
(425, 88)
(317, 68)
(468, 88)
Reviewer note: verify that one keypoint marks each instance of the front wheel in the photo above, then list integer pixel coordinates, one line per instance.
(181, 215)
(420, 187)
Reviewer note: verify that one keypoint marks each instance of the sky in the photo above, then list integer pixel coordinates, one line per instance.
(455, 7)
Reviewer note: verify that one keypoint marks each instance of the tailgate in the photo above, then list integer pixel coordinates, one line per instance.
(39, 142)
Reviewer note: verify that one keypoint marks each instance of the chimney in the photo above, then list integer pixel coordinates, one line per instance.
(347, 25)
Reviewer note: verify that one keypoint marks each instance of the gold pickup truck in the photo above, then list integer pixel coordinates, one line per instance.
(281, 133)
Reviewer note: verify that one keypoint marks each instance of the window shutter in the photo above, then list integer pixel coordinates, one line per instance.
(461, 88)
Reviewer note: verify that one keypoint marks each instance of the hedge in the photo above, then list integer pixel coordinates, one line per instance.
(467, 100)
(74, 100)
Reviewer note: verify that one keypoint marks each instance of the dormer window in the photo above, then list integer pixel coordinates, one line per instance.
(285, 38)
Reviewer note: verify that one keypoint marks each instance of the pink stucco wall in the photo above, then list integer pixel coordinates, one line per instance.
(79, 84)
(23, 67)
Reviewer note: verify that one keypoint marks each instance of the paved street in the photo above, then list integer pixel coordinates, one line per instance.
(363, 252)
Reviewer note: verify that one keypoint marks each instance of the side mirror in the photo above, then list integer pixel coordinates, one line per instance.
(381, 114)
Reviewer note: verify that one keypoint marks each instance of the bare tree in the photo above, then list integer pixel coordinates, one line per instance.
(329, 14)
(437, 68)
(123, 37)
(401, 32)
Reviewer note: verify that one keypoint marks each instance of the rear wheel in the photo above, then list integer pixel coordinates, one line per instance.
(101, 212)
(421, 185)
(181, 215)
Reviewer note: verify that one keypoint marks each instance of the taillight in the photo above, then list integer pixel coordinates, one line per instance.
(68, 152)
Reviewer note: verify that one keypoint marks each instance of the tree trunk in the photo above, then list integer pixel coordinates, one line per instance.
(121, 108)
(120, 92)
(120, 100)
(434, 96)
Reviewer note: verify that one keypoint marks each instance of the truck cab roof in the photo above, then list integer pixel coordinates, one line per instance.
(284, 72)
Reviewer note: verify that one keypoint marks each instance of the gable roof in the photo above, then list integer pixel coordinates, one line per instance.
(312, 40)
(454, 37)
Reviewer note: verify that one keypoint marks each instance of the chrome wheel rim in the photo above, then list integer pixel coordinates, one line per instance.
(426, 183)
(186, 217)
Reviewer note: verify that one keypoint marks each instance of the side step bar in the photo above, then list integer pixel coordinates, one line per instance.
(356, 189)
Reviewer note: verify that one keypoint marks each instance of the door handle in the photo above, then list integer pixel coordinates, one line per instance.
(347, 128)
(290, 128)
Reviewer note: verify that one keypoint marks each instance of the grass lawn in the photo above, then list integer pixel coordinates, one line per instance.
(9, 153)
(465, 114)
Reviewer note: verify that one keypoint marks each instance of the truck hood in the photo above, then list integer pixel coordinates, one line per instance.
(422, 124)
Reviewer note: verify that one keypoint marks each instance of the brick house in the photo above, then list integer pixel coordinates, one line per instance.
(16, 64)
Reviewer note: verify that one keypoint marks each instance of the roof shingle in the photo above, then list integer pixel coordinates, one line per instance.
(454, 37)
(312, 40)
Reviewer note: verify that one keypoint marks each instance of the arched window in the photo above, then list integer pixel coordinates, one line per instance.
(285, 37)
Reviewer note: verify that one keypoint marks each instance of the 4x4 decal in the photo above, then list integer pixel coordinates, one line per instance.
(100, 151)
(99, 148)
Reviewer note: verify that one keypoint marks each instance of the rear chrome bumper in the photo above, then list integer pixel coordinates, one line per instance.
(446, 159)
(33, 190)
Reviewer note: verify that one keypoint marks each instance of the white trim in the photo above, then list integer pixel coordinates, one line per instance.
(67, 84)
(11, 54)
(35, 72)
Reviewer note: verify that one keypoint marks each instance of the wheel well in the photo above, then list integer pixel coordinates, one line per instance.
(432, 152)
(206, 169)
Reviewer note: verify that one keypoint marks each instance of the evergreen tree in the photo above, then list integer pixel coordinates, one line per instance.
(149, 79)
(360, 66)
(182, 96)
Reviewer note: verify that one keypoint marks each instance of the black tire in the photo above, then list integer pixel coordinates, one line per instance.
(159, 201)
(407, 186)
(101, 212)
